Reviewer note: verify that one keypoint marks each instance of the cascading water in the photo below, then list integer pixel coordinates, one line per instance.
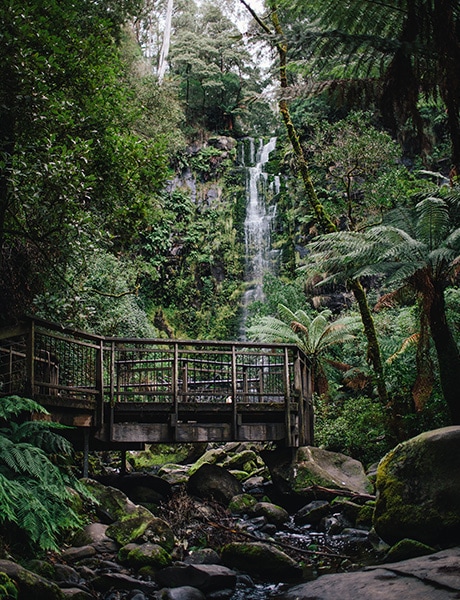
(260, 258)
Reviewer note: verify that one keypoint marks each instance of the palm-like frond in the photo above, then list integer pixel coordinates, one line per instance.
(433, 221)
(12, 406)
(42, 435)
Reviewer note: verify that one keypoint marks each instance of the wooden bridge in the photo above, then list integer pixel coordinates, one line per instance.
(121, 393)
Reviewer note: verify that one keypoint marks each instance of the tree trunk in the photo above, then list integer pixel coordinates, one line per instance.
(447, 353)
(323, 219)
(166, 42)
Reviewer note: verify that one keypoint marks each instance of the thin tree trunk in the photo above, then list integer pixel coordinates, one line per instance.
(447, 353)
(166, 42)
(323, 219)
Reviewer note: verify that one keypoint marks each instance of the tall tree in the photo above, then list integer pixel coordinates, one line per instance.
(417, 248)
(396, 51)
(75, 171)
(273, 29)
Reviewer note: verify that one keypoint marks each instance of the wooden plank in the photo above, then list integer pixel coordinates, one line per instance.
(140, 432)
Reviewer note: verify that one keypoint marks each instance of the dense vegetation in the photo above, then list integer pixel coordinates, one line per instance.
(122, 200)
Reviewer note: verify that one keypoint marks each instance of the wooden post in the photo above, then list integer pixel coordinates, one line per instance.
(174, 389)
(234, 396)
(300, 397)
(85, 452)
(123, 462)
(30, 361)
(100, 384)
(112, 374)
(287, 399)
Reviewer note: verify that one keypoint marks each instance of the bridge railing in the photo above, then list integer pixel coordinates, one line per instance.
(40, 359)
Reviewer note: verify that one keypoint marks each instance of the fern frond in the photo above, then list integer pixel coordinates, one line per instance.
(41, 434)
(433, 221)
(12, 406)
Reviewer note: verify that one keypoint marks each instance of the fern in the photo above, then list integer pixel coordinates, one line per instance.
(34, 493)
(12, 406)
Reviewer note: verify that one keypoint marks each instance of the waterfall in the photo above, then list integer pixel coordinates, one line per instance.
(259, 256)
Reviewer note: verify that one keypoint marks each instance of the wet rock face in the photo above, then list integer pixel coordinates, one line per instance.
(212, 481)
(418, 489)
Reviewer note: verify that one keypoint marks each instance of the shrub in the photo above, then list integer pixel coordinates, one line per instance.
(355, 426)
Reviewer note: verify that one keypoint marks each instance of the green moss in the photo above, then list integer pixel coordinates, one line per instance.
(418, 489)
(8, 590)
(241, 504)
(406, 548)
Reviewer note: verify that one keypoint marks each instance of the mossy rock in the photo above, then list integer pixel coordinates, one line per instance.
(418, 489)
(242, 504)
(405, 549)
(261, 560)
(112, 502)
(29, 584)
(144, 555)
(142, 525)
(8, 590)
(211, 457)
(274, 514)
(365, 515)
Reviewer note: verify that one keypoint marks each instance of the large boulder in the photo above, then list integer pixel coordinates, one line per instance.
(261, 560)
(418, 489)
(310, 471)
(214, 482)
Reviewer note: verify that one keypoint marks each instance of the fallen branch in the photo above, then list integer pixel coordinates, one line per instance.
(348, 493)
(329, 554)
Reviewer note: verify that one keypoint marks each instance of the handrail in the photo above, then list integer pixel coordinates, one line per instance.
(39, 359)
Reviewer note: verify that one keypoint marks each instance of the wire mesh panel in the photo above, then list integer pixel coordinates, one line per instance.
(143, 373)
(260, 376)
(205, 374)
(13, 366)
(64, 365)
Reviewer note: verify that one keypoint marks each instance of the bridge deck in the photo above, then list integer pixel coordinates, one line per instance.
(123, 392)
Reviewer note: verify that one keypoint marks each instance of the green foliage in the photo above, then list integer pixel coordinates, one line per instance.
(218, 77)
(8, 590)
(355, 426)
(81, 159)
(34, 492)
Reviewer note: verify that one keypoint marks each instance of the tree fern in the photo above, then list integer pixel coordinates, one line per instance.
(313, 335)
(34, 493)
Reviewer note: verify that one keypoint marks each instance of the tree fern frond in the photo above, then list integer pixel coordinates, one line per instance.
(12, 406)
(433, 221)
(41, 434)
(408, 342)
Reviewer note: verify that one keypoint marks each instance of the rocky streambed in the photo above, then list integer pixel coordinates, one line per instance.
(228, 527)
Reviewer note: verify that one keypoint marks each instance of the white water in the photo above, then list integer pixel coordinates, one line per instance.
(260, 259)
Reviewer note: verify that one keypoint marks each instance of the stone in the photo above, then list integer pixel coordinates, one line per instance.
(418, 489)
(111, 503)
(406, 549)
(140, 555)
(211, 457)
(202, 556)
(75, 554)
(206, 578)
(312, 467)
(276, 515)
(140, 488)
(121, 581)
(174, 474)
(142, 526)
(262, 560)
(76, 594)
(95, 534)
(434, 577)
(312, 513)
(242, 504)
(184, 592)
(214, 482)
(30, 584)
